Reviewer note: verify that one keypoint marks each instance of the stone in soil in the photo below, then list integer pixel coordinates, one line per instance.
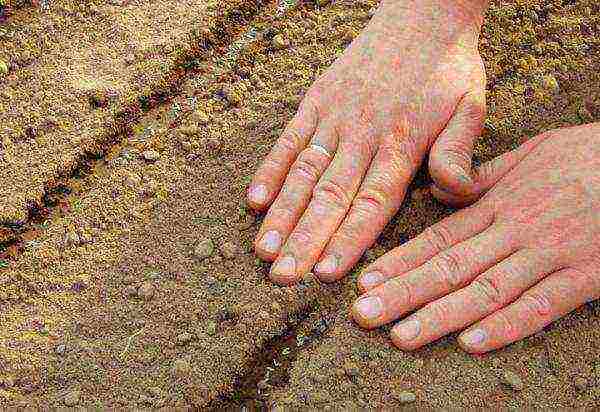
(280, 42)
(512, 380)
(204, 249)
(146, 291)
(229, 250)
(199, 117)
(184, 338)
(181, 368)
(406, 397)
(72, 398)
(580, 383)
(3, 68)
(151, 155)
(60, 349)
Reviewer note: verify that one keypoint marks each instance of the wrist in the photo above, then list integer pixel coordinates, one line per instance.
(467, 13)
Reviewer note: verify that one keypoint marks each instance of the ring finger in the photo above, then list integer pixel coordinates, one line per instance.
(294, 197)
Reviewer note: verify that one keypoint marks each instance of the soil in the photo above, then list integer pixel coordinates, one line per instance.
(127, 275)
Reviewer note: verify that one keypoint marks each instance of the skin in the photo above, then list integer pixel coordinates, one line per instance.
(524, 255)
(411, 83)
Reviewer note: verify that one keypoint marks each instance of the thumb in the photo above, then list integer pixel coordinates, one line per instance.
(488, 174)
(451, 153)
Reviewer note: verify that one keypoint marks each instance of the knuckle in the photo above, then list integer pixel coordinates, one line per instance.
(439, 311)
(438, 237)
(288, 141)
(307, 167)
(448, 266)
(537, 304)
(332, 193)
(370, 203)
(488, 292)
(402, 290)
(410, 150)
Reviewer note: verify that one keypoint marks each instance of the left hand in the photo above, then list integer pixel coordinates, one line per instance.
(526, 254)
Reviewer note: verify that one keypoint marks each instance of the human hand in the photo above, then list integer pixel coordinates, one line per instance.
(412, 80)
(524, 255)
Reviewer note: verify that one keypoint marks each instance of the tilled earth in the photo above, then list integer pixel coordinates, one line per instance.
(130, 130)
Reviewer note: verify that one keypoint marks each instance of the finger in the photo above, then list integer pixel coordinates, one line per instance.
(487, 175)
(294, 197)
(377, 201)
(272, 172)
(454, 229)
(330, 202)
(489, 292)
(552, 298)
(451, 153)
(446, 272)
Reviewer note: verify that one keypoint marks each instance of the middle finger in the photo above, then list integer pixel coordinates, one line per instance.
(330, 202)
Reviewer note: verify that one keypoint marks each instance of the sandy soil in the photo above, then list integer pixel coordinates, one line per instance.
(132, 282)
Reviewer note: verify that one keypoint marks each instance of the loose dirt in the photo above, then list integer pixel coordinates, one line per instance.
(130, 280)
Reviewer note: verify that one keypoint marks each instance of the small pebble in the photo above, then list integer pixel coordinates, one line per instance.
(204, 249)
(406, 397)
(72, 398)
(132, 180)
(229, 250)
(181, 367)
(580, 383)
(72, 239)
(246, 222)
(550, 83)
(232, 95)
(351, 370)
(190, 130)
(7, 381)
(151, 155)
(211, 327)
(213, 143)
(3, 68)
(184, 338)
(130, 291)
(280, 42)
(199, 117)
(146, 291)
(322, 2)
(98, 98)
(512, 380)
(60, 349)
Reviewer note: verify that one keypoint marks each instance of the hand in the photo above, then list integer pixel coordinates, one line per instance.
(527, 253)
(340, 170)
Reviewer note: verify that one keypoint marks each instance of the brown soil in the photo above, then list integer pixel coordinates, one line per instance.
(103, 302)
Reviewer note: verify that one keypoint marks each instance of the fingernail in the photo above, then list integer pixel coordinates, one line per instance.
(258, 194)
(327, 265)
(474, 337)
(408, 330)
(461, 173)
(370, 307)
(270, 242)
(285, 268)
(370, 279)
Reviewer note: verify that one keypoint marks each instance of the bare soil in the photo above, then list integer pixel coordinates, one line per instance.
(106, 299)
